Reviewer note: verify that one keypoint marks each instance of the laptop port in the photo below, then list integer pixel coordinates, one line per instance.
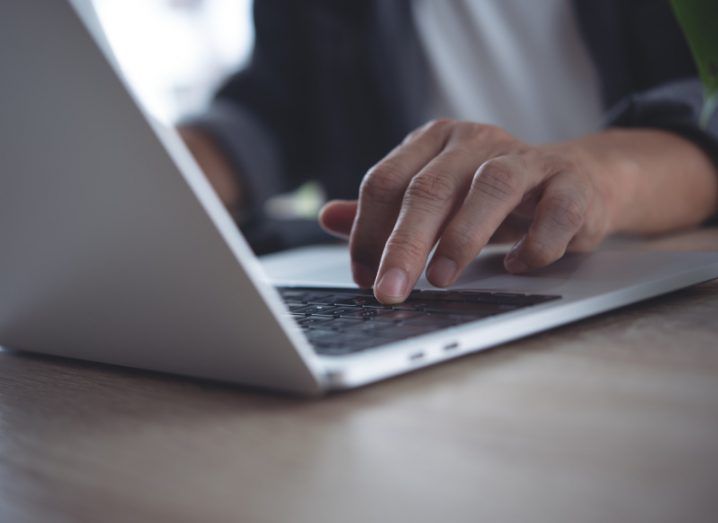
(416, 356)
(451, 346)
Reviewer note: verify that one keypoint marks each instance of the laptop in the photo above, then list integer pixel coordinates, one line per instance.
(115, 249)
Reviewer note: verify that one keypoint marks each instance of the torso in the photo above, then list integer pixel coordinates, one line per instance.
(518, 64)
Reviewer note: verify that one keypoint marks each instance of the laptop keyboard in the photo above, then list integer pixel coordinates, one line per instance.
(339, 321)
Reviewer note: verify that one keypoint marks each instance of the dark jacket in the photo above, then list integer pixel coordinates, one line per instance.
(333, 85)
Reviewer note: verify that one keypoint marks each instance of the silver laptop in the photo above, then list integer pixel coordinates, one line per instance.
(115, 249)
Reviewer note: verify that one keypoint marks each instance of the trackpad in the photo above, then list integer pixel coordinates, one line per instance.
(330, 265)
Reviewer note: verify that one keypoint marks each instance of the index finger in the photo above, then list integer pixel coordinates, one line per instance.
(381, 194)
(428, 201)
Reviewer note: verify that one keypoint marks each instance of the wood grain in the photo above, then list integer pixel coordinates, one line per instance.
(611, 419)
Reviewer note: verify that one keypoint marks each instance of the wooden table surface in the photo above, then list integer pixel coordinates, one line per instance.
(611, 419)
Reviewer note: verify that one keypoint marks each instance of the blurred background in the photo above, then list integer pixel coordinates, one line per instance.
(175, 52)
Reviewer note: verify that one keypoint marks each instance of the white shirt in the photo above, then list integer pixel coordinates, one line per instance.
(518, 64)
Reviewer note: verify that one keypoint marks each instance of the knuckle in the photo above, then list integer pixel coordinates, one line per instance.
(407, 245)
(439, 125)
(566, 212)
(541, 253)
(556, 163)
(497, 181)
(473, 133)
(459, 241)
(495, 133)
(430, 188)
(413, 135)
(463, 147)
(492, 134)
(435, 129)
(382, 183)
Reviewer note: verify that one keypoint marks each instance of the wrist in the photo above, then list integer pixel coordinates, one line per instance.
(651, 181)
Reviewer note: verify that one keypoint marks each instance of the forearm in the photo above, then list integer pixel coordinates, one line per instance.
(658, 180)
(217, 168)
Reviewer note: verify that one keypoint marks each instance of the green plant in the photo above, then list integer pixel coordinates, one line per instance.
(699, 21)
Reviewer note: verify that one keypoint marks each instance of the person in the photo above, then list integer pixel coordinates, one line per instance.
(552, 124)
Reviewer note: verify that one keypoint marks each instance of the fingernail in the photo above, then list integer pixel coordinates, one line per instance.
(442, 271)
(515, 264)
(393, 284)
(363, 275)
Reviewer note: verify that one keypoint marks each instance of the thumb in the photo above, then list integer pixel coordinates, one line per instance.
(337, 217)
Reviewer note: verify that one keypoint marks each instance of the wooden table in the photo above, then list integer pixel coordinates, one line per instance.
(610, 419)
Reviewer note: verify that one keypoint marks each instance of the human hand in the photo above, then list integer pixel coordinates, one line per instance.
(461, 184)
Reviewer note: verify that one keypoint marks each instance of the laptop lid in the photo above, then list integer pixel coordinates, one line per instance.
(115, 247)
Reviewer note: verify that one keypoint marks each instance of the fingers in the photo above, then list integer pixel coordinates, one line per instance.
(560, 215)
(337, 217)
(595, 227)
(424, 190)
(498, 187)
(381, 194)
(428, 201)
(511, 230)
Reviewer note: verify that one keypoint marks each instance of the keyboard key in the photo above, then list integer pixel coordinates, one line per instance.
(299, 308)
(340, 321)
(444, 295)
(358, 301)
(309, 321)
(481, 310)
(346, 324)
(396, 315)
(359, 313)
